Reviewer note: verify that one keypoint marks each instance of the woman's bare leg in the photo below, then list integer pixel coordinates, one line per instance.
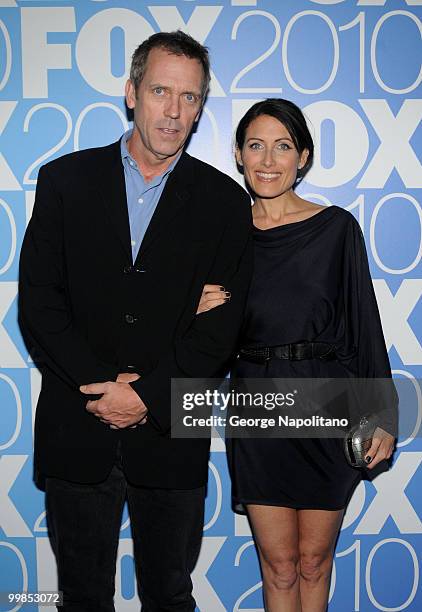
(318, 530)
(277, 538)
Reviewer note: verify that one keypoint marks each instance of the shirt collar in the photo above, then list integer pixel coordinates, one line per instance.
(126, 155)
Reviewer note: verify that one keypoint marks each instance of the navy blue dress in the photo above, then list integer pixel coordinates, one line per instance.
(311, 282)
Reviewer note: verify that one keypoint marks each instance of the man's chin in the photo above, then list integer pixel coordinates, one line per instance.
(166, 152)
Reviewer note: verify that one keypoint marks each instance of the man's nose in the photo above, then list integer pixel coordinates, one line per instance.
(173, 107)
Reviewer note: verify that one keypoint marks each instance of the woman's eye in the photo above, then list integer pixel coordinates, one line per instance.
(255, 145)
(283, 146)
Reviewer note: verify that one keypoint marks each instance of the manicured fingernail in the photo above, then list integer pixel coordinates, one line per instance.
(368, 459)
(222, 288)
(228, 294)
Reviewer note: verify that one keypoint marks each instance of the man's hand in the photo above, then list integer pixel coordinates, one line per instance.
(127, 377)
(120, 406)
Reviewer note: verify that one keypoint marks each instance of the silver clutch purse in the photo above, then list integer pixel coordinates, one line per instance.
(358, 441)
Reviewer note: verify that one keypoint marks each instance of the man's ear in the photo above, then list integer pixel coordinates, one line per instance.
(130, 94)
(201, 108)
(238, 155)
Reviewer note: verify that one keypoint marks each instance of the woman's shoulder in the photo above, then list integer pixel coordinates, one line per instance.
(335, 215)
(344, 216)
(348, 227)
(338, 212)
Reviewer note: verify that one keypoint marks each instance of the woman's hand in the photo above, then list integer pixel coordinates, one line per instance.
(382, 448)
(212, 296)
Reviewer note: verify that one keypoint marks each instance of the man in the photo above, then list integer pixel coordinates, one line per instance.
(121, 241)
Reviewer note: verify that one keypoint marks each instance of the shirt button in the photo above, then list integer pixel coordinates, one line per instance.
(130, 319)
(133, 242)
(131, 163)
(141, 201)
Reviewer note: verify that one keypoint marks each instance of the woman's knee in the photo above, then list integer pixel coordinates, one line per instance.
(281, 572)
(315, 565)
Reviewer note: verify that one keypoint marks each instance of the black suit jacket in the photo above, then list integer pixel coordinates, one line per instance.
(87, 312)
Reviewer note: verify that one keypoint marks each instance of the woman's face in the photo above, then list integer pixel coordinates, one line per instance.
(269, 157)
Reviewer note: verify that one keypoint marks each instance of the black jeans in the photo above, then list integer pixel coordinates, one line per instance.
(84, 523)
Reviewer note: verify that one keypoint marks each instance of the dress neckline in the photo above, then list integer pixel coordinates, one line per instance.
(295, 223)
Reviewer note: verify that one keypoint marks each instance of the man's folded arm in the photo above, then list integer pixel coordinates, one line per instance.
(209, 343)
(44, 310)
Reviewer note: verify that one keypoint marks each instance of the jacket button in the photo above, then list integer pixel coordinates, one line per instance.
(128, 269)
(130, 318)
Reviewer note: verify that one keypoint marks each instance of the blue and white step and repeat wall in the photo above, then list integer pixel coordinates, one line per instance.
(354, 66)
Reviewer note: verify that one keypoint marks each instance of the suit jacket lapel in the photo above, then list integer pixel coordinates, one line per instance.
(111, 182)
(175, 196)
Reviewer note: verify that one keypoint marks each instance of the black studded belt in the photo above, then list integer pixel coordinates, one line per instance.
(295, 351)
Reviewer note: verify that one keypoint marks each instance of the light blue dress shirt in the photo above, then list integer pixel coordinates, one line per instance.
(142, 197)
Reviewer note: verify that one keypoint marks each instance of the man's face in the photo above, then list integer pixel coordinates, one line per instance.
(166, 105)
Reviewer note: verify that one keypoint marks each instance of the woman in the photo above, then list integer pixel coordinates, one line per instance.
(311, 283)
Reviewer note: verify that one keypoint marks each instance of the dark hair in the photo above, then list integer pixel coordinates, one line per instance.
(291, 117)
(176, 43)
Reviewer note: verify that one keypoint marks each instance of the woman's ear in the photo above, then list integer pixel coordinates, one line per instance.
(238, 155)
(303, 159)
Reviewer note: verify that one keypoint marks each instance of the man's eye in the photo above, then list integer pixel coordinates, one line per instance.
(190, 97)
(158, 91)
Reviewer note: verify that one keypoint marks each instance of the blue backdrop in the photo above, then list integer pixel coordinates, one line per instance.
(354, 66)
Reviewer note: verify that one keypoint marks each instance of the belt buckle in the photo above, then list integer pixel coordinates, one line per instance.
(294, 350)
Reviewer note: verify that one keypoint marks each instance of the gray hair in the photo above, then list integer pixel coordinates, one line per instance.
(176, 43)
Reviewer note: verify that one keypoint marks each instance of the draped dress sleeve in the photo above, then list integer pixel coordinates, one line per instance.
(363, 351)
